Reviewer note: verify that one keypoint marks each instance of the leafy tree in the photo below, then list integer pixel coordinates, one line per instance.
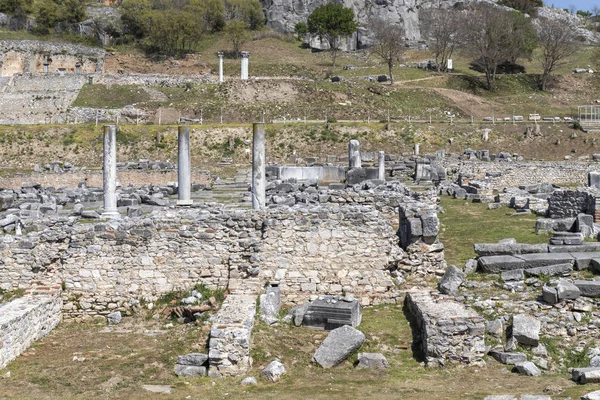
(524, 38)
(493, 36)
(526, 6)
(584, 14)
(249, 11)
(12, 7)
(331, 21)
(236, 32)
(301, 29)
(212, 12)
(133, 15)
(442, 28)
(390, 42)
(558, 42)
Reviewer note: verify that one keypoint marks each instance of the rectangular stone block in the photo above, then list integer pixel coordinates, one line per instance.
(588, 288)
(583, 259)
(498, 249)
(550, 270)
(500, 263)
(586, 375)
(581, 248)
(330, 312)
(543, 260)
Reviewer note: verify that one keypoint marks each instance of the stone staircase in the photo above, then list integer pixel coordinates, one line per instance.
(233, 192)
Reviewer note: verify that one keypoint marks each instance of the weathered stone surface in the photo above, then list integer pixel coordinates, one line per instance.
(25, 320)
(273, 371)
(546, 259)
(550, 270)
(512, 275)
(114, 318)
(498, 249)
(500, 263)
(583, 259)
(250, 380)
(451, 281)
(588, 288)
(190, 370)
(586, 375)
(338, 345)
(595, 395)
(550, 295)
(526, 329)
(445, 331)
(197, 359)
(269, 305)
(582, 248)
(495, 327)
(566, 290)
(372, 361)
(527, 368)
(330, 312)
(508, 358)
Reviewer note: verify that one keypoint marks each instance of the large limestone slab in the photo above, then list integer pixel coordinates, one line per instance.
(543, 260)
(500, 249)
(338, 345)
(580, 248)
(583, 259)
(526, 329)
(588, 288)
(500, 263)
(550, 270)
(586, 375)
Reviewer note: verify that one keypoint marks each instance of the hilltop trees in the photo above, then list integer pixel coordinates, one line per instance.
(330, 22)
(442, 26)
(494, 36)
(558, 42)
(389, 44)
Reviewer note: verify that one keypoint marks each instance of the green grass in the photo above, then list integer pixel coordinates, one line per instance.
(118, 96)
(464, 223)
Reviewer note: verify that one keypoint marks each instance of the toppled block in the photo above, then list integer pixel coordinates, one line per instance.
(526, 329)
(566, 290)
(338, 345)
(500, 263)
(445, 330)
(550, 295)
(543, 260)
(451, 281)
(586, 375)
(588, 288)
(193, 364)
(550, 270)
(512, 275)
(508, 358)
(566, 238)
(581, 248)
(372, 361)
(583, 259)
(330, 312)
(527, 368)
(501, 249)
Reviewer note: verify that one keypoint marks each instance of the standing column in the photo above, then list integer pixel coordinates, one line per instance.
(416, 149)
(220, 67)
(259, 180)
(110, 173)
(184, 183)
(381, 165)
(354, 154)
(245, 55)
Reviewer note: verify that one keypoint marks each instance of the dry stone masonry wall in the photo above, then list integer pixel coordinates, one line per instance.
(25, 320)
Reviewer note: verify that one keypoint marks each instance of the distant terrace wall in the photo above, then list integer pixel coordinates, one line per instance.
(18, 56)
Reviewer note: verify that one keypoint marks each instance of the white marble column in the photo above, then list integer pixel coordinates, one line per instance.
(354, 154)
(184, 181)
(416, 149)
(245, 56)
(220, 67)
(110, 173)
(259, 180)
(381, 165)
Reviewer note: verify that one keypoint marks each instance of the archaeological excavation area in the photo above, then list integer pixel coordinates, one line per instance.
(443, 276)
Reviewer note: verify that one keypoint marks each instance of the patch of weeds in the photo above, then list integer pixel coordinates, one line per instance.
(207, 293)
(9, 295)
(578, 358)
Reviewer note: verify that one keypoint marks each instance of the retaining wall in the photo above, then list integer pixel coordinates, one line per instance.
(25, 320)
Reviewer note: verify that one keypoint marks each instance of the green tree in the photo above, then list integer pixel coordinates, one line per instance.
(134, 13)
(212, 12)
(12, 7)
(46, 16)
(249, 11)
(331, 21)
(301, 29)
(236, 33)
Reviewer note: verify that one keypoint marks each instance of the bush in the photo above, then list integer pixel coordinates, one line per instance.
(526, 6)
(505, 67)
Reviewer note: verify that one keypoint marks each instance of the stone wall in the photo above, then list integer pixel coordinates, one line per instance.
(18, 56)
(514, 174)
(25, 320)
(113, 265)
(445, 331)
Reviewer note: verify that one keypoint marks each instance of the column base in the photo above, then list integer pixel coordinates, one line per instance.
(110, 215)
(185, 202)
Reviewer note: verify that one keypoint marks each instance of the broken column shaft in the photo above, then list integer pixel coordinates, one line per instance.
(381, 165)
(109, 173)
(354, 154)
(259, 180)
(184, 184)
(220, 67)
(245, 55)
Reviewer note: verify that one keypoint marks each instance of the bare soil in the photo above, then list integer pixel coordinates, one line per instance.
(118, 63)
